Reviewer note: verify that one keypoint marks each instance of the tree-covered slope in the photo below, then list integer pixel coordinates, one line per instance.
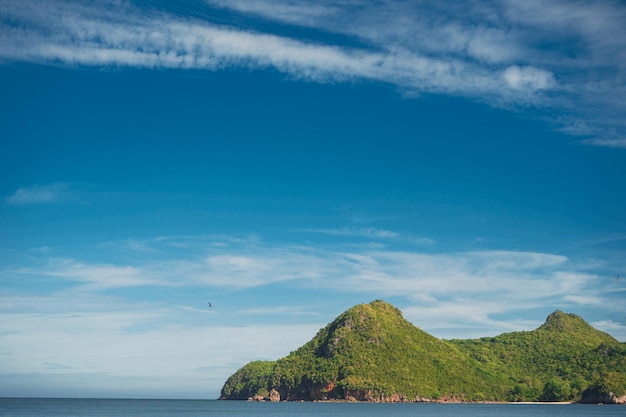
(370, 352)
(249, 381)
(556, 362)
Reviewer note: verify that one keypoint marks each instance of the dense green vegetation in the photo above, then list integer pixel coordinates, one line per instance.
(556, 362)
(371, 353)
(250, 381)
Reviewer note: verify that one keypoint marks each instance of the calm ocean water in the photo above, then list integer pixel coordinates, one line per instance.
(23, 407)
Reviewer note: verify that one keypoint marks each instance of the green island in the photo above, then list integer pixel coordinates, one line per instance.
(371, 353)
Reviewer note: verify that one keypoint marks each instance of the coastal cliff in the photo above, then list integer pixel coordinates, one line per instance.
(371, 353)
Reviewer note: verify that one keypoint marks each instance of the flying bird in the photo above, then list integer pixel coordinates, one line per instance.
(210, 305)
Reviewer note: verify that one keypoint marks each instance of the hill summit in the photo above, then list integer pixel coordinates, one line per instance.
(371, 353)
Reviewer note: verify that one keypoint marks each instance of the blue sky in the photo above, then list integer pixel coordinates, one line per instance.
(288, 159)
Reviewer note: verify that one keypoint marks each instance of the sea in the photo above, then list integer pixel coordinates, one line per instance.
(49, 407)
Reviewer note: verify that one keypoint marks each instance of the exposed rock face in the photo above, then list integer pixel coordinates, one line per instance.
(257, 398)
(620, 400)
(369, 396)
(274, 396)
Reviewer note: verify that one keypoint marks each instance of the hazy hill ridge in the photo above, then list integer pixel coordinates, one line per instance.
(371, 353)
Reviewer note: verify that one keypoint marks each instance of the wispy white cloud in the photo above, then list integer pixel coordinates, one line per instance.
(238, 269)
(477, 275)
(496, 52)
(369, 270)
(528, 78)
(477, 318)
(278, 310)
(608, 142)
(567, 56)
(368, 232)
(611, 327)
(69, 33)
(429, 280)
(372, 233)
(40, 194)
(261, 268)
(95, 276)
(572, 49)
(287, 11)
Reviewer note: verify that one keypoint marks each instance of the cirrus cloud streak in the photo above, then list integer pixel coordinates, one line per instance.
(574, 51)
(498, 281)
(488, 51)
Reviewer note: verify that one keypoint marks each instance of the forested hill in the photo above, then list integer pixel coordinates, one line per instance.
(371, 353)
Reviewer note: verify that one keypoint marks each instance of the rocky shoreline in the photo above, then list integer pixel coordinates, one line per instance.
(274, 396)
